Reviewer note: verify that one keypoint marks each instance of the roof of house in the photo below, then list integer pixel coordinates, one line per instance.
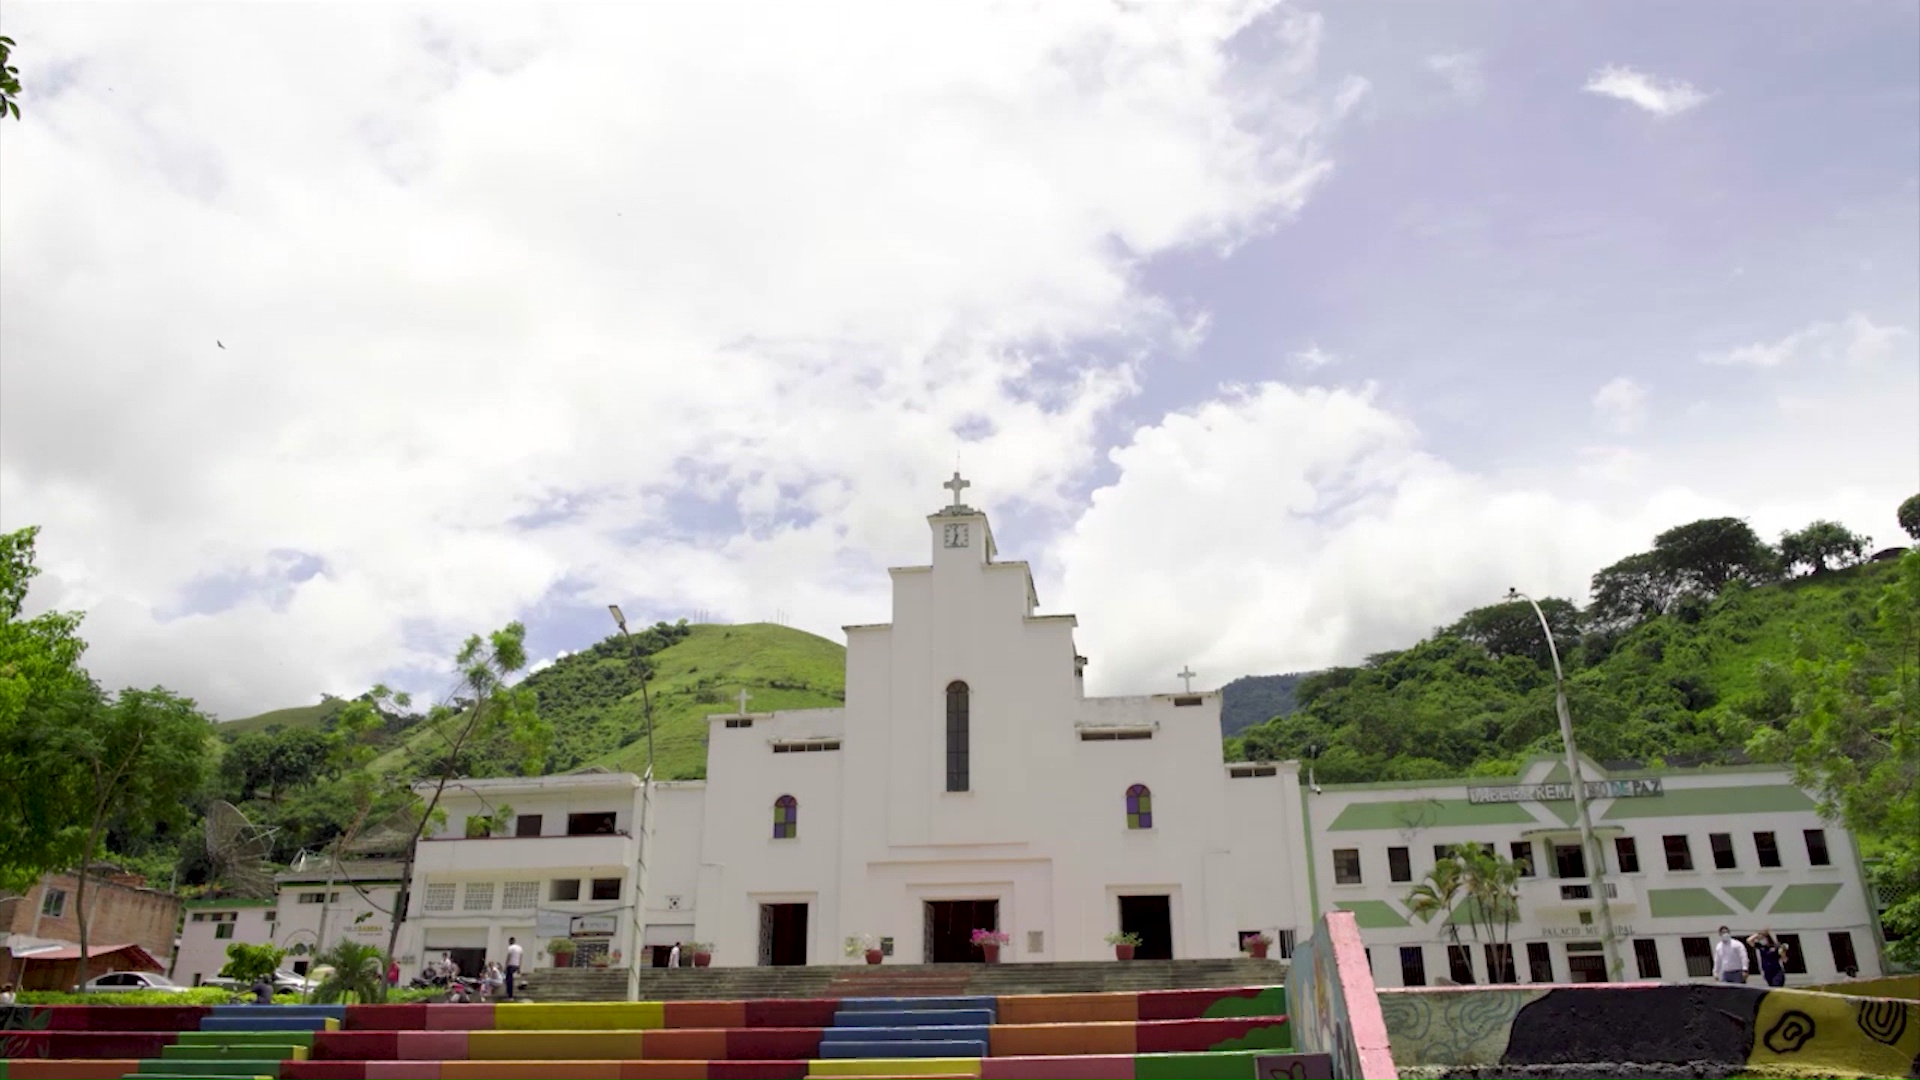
(131, 957)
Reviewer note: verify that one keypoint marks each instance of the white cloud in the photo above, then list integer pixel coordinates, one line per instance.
(1854, 340)
(469, 270)
(1462, 74)
(1313, 358)
(1621, 405)
(1661, 97)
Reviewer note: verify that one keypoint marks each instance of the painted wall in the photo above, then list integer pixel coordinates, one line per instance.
(202, 951)
(1731, 1028)
(1651, 903)
(1332, 1004)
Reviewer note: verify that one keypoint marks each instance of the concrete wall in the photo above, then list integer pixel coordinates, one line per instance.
(1708, 1029)
(1331, 1003)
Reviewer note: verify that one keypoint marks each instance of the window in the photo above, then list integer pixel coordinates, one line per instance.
(528, 825)
(1817, 853)
(740, 722)
(1722, 845)
(590, 824)
(273, 916)
(1139, 807)
(1539, 962)
(1400, 868)
(1413, 964)
(479, 896)
(1119, 735)
(563, 890)
(606, 888)
(1844, 961)
(438, 897)
(1698, 952)
(1283, 941)
(1792, 960)
(1500, 963)
(959, 765)
(1185, 702)
(1244, 772)
(223, 931)
(1679, 854)
(786, 818)
(1442, 852)
(53, 903)
(1766, 849)
(479, 827)
(1346, 866)
(806, 746)
(1627, 854)
(1569, 861)
(519, 895)
(1521, 852)
(1460, 964)
(1646, 954)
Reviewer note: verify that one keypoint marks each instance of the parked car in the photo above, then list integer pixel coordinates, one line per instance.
(284, 982)
(132, 980)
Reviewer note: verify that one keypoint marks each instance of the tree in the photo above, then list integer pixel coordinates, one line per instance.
(1632, 590)
(1492, 882)
(354, 969)
(277, 759)
(1512, 629)
(43, 689)
(1437, 894)
(1707, 554)
(249, 962)
(136, 761)
(9, 81)
(1822, 546)
(1909, 517)
(485, 707)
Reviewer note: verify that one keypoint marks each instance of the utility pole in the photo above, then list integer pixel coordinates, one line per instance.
(640, 663)
(644, 830)
(1596, 857)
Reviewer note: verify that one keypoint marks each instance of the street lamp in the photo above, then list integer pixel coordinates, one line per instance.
(1596, 857)
(646, 702)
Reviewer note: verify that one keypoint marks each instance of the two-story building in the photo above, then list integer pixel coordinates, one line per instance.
(1686, 850)
(130, 928)
(316, 905)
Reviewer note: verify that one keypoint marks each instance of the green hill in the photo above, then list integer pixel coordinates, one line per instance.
(300, 716)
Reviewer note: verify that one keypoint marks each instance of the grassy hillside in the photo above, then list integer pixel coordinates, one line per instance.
(300, 716)
(1256, 699)
(1682, 687)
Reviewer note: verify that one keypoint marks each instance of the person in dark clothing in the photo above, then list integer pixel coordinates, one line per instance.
(262, 991)
(1773, 957)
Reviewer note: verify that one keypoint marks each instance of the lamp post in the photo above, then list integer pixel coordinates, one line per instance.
(646, 701)
(1596, 857)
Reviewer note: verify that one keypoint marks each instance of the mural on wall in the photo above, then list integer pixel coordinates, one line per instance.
(1742, 1026)
(1324, 994)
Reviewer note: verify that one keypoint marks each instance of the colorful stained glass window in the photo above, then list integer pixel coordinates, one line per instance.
(1139, 807)
(786, 817)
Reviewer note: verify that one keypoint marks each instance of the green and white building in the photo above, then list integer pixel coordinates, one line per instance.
(1687, 851)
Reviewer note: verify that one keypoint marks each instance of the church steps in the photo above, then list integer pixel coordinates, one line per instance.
(951, 980)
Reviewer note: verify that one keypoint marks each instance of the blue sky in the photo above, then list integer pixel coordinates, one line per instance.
(1272, 335)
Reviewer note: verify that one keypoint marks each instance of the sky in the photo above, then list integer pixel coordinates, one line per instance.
(1272, 336)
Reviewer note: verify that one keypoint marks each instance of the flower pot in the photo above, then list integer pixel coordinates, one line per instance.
(702, 959)
(874, 956)
(1257, 949)
(992, 953)
(1123, 952)
(562, 959)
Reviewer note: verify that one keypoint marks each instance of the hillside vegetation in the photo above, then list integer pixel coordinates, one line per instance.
(1255, 699)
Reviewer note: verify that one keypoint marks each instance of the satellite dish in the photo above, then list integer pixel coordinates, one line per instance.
(238, 850)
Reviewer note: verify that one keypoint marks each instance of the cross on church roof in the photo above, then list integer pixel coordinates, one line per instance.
(1185, 675)
(957, 485)
(743, 701)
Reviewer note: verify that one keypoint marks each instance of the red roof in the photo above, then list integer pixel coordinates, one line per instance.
(135, 958)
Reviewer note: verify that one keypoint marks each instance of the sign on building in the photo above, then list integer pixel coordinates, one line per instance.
(1596, 789)
(593, 925)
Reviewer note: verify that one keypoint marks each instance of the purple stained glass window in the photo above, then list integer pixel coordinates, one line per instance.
(1139, 807)
(786, 818)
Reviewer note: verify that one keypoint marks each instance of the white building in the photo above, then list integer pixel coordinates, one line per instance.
(1688, 851)
(357, 907)
(968, 783)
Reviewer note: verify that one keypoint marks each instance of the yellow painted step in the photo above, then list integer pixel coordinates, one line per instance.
(839, 1068)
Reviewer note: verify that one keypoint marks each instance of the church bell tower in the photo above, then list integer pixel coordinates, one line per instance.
(960, 532)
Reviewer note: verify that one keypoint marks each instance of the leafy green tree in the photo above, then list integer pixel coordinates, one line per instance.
(249, 962)
(487, 706)
(43, 692)
(1512, 629)
(9, 81)
(1909, 517)
(1705, 555)
(278, 759)
(1492, 882)
(1632, 590)
(136, 762)
(1822, 546)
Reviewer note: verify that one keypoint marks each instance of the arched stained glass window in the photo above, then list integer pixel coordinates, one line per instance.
(786, 818)
(959, 762)
(1139, 807)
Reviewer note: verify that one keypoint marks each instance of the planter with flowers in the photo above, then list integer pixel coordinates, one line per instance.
(562, 950)
(1256, 945)
(990, 942)
(865, 945)
(1123, 942)
(702, 952)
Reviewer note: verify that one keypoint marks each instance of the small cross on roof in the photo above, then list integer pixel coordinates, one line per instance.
(957, 485)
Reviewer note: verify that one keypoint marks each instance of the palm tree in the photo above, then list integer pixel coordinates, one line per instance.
(357, 970)
(1437, 894)
(1492, 882)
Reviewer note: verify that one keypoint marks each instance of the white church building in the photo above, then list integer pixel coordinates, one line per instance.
(969, 782)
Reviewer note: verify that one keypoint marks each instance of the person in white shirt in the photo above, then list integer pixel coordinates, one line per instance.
(1730, 960)
(673, 955)
(6, 994)
(514, 953)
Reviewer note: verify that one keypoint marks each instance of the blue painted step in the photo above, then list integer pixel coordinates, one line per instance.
(338, 1012)
(957, 1048)
(913, 1017)
(987, 1002)
(265, 1020)
(977, 1033)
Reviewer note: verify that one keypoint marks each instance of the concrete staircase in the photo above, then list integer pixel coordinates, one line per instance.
(947, 980)
(572, 984)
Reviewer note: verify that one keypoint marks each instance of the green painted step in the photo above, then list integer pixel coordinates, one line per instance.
(245, 1038)
(206, 1067)
(247, 1052)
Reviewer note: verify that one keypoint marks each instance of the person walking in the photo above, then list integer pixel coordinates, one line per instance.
(1773, 957)
(673, 956)
(1730, 960)
(393, 973)
(514, 953)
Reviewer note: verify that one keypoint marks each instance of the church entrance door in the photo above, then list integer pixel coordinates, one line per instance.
(950, 927)
(1152, 918)
(783, 935)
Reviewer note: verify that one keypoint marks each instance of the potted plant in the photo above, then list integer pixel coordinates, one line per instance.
(1123, 942)
(562, 950)
(1256, 945)
(702, 953)
(864, 945)
(990, 942)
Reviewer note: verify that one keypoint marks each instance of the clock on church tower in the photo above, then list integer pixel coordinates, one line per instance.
(956, 534)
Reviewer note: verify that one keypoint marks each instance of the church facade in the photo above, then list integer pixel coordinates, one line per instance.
(970, 783)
